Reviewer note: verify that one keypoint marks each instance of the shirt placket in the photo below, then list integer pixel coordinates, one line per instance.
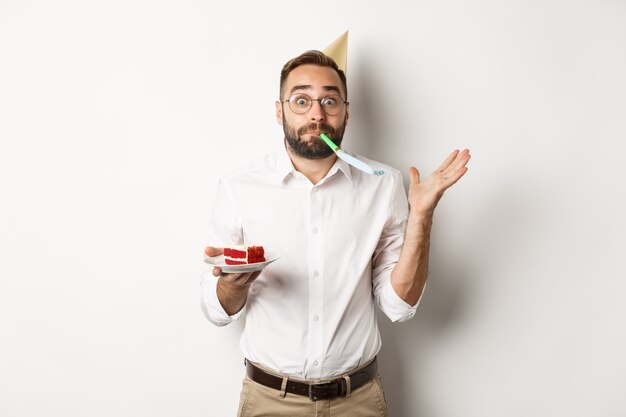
(316, 284)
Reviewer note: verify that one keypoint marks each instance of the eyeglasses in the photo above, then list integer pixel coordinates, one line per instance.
(302, 103)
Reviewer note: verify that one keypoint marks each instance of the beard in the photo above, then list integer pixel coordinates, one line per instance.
(314, 147)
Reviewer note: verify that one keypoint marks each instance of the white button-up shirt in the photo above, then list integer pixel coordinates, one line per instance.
(311, 313)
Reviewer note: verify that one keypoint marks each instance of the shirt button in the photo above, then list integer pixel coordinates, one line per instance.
(316, 318)
(315, 230)
(315, 363)
(316, 274)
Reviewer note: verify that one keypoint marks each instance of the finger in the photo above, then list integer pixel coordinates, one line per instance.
(217, 271)
(461, 161)
(455, 177)
(414, 176)
(213, 251)
(249, 278)
(255, 275)
(448, 160)
(456, 170)
(232, 277)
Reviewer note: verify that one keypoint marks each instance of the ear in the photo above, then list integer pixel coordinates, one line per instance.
(279, 112)
(347, 113)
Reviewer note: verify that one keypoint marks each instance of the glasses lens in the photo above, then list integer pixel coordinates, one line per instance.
(332, 105)
(300, 103)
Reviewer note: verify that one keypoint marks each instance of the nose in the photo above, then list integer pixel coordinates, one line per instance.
(317, 113)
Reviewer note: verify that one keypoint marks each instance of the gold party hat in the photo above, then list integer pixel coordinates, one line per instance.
(338, 51)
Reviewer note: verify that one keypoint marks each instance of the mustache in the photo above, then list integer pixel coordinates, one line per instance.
(323, 127)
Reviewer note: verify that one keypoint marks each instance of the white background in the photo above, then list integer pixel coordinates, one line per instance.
(117, 117)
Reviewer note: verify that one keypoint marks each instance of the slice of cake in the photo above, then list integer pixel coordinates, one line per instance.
(243, 254)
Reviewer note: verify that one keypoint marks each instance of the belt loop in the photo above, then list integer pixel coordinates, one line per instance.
(348, 385)
(283, 387)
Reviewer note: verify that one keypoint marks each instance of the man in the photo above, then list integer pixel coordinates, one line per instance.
(347, 241)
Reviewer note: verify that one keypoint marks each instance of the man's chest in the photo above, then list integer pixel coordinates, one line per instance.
(335, 217)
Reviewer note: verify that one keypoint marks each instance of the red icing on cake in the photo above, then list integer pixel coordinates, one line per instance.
(243, 254)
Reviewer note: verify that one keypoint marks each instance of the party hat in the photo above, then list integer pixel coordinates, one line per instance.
(338, 51)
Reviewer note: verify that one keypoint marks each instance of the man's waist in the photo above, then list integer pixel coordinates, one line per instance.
(341, 385)
(298, 373)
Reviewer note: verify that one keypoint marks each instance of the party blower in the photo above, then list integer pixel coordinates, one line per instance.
(357, 163)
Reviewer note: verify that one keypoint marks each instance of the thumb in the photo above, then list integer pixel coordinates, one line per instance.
(414, 176)
(212, 251)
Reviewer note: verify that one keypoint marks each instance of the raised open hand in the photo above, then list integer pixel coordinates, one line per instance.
(424, 196)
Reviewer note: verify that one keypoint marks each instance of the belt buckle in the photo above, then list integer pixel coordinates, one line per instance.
(340, 388)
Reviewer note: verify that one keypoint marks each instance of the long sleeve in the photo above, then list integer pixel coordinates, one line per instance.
(386, 256)
(224, 229)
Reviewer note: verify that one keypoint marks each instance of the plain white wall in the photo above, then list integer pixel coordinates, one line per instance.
(117, 117)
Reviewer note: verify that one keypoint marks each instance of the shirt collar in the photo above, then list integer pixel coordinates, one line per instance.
(284, 167)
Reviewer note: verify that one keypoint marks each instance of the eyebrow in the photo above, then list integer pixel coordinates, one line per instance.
(309, 87)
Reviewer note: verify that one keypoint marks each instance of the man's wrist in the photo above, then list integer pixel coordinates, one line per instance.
(418, 226)
(231, 296)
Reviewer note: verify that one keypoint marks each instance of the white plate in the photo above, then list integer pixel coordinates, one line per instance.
(238, 269)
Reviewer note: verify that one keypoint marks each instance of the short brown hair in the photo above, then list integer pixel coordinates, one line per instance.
(311, 57)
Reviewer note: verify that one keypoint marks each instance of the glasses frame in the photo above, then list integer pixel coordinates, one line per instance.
(319, 100)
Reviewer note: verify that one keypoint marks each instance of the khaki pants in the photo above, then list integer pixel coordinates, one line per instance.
(260, 401)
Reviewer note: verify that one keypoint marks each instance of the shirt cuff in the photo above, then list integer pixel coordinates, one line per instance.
(395, 307)
(211, 305)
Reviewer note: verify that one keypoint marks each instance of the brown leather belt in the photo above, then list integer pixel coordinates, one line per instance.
(339, 387)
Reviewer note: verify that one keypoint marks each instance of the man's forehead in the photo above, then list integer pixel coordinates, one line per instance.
(313, 77)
